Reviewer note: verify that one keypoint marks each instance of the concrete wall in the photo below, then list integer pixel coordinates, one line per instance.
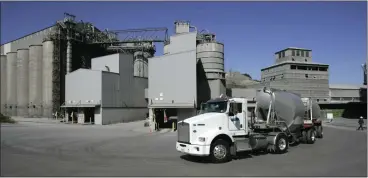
(82, 85)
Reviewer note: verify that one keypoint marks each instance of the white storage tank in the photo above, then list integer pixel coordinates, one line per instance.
(47, 79)
(212, 56)
(22, 82)
(11, 83)
(3, 84)
(35, 81)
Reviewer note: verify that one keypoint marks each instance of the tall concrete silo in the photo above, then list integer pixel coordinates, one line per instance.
(47, 77)
(141, 59)
(11, 83)
(141, 64)
(35, 81)
(22, 82)
(211, 54)
(3, 83)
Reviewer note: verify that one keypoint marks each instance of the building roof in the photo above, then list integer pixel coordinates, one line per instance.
(347, 86)
(295, 62)
(305, 49)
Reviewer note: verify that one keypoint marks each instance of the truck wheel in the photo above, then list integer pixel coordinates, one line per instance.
(220, 151)
(281, 144)
(319, 131)
(311, 136)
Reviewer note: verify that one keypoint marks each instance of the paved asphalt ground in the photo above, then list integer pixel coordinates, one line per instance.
(55, 149)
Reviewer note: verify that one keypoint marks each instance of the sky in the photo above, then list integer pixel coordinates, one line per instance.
(252, 32)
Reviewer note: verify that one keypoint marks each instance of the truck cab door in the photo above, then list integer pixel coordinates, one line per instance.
(236, 118)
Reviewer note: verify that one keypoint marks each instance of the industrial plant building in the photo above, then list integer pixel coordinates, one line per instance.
(107, 93)
(33, 68)
(294, 71)
(86, 75)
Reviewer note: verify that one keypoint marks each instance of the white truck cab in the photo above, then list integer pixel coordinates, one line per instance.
(221, 129)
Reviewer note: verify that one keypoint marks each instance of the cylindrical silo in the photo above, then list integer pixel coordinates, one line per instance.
(3, 84)
(22, 82)
(141, 64)
(212, 57)
(35, 81)
(47, 84)
(11, 83)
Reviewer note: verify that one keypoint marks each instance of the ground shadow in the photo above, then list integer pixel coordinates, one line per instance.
(239, 156)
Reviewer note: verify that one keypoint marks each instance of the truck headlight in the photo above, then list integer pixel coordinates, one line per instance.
(201, 139)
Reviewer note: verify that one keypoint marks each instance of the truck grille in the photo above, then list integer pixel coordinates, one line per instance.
(183, 132)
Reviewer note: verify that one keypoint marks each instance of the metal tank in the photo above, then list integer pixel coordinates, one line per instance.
(11, 83)
(141, 64)
(22, 82)
(35, 81)
(211, 55)
(47, 68)
(288, 106)
(3, 84)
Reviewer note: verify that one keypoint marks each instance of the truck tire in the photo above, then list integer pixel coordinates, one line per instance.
(311, 136)
(319, 131)
(281, 143)
(220, 151)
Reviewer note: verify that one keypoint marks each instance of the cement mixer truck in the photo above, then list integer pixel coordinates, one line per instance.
(221, 130)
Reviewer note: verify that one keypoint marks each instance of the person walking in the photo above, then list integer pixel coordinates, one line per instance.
(361, 122)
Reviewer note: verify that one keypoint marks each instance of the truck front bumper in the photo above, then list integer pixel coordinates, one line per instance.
(196, 150)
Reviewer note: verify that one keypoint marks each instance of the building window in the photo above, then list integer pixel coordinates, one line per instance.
(322, 68)
(293, 59)
(306, 60)
(317, 100)
(293, 52)
(302, 53)
(293, 67)
(279, 55)
(307, 54)
(297, 53)
(283, 54)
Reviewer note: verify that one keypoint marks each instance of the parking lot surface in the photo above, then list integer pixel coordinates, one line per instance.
(51, 149)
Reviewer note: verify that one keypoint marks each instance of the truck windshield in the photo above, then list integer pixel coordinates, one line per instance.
(219, 107)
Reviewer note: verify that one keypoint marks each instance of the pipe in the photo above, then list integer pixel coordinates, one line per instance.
(69, 56)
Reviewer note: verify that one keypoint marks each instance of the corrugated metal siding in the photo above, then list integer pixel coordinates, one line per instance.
(118, 115)
(110, 90)
(126, 80)
(82, 85)
(140, 84)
